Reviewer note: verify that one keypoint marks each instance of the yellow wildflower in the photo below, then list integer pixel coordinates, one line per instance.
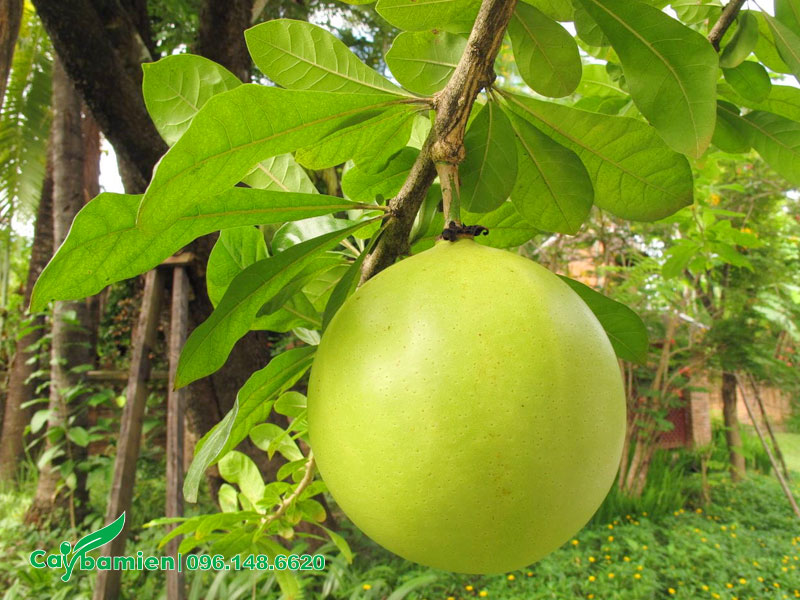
(511, 578)
(366, 587)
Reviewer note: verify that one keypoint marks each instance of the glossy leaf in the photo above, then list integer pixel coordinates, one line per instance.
(765, 49)
(370, 143)
(787, 42)
(731, 135)
(670, 70)
(362, 186)
(176, 87)
(777, 140)
(280, 173)
(507, 228)
(490, 168)
(423, 61)
(299, 55)
(294, 232)
(251, 407)
(347, 284)
(749, 79)
(236, 467)
(545, 53)
(224, 143)
(270, 438)
(234, 250)
(456, 16)
(104, 245)
(783, 100)
(558, 10)
(208, 346)
(788, 13)
(742, 43)
(634, 174)
(553, 191)
(625, 329)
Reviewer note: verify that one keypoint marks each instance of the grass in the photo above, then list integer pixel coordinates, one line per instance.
(745, 545)
(790, 446)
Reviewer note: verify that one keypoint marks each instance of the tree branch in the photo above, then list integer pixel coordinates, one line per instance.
(445, 142)
(99, 74)
(725, 20)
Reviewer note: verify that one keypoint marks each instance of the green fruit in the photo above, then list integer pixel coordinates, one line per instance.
(466, 409)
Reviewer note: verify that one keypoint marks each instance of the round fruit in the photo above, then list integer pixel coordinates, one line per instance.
(466, 409)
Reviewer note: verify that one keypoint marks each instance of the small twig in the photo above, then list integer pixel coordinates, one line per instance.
(724, 22)
(448, 178)
(308, 477)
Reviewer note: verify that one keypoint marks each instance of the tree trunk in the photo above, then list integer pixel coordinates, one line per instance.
(220, 36)
(71, 320)
(10, 21)
(732, 434)
(20, 389)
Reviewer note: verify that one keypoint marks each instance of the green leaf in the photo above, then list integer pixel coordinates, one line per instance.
(742, 43)
(558, 10)
(235, 131)
(252, 406)
(749, 79)
(777, 140)
(678, 258)
(78, 436)
(341, 544)
(553, 191)
(788, 13)
(625, 329)
(234, 250)
(347, 283)
(765, 50)
(634, 174)
(104, 245)
(587, 28)
(270, 438)
(787, 42)
(208, 346)
(291, 404)
(296, 312)
(227, 498)
(456, 16)
(280, 174)
(783, 100)
(507, 228)
(546, 54)
(240, 469)
(362, 186)
(423, 61)
(301, 56)
(730, 135)
(177, 86)
(670, 70)
(490, 167)
(402, 591)
(294, 232)
(696, 11)
(370, 143)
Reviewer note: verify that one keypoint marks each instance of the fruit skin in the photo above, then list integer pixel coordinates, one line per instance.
(466, 409)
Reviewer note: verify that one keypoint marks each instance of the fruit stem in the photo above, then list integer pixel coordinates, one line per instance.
(451, 193)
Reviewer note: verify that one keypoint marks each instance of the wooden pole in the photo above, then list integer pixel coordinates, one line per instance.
(765, 418)
(108, 582)
(764, 443)
(176, 403)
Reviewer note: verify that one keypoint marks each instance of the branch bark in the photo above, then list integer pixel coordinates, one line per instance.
(10, 21)
(724, 22)
(445, 143)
